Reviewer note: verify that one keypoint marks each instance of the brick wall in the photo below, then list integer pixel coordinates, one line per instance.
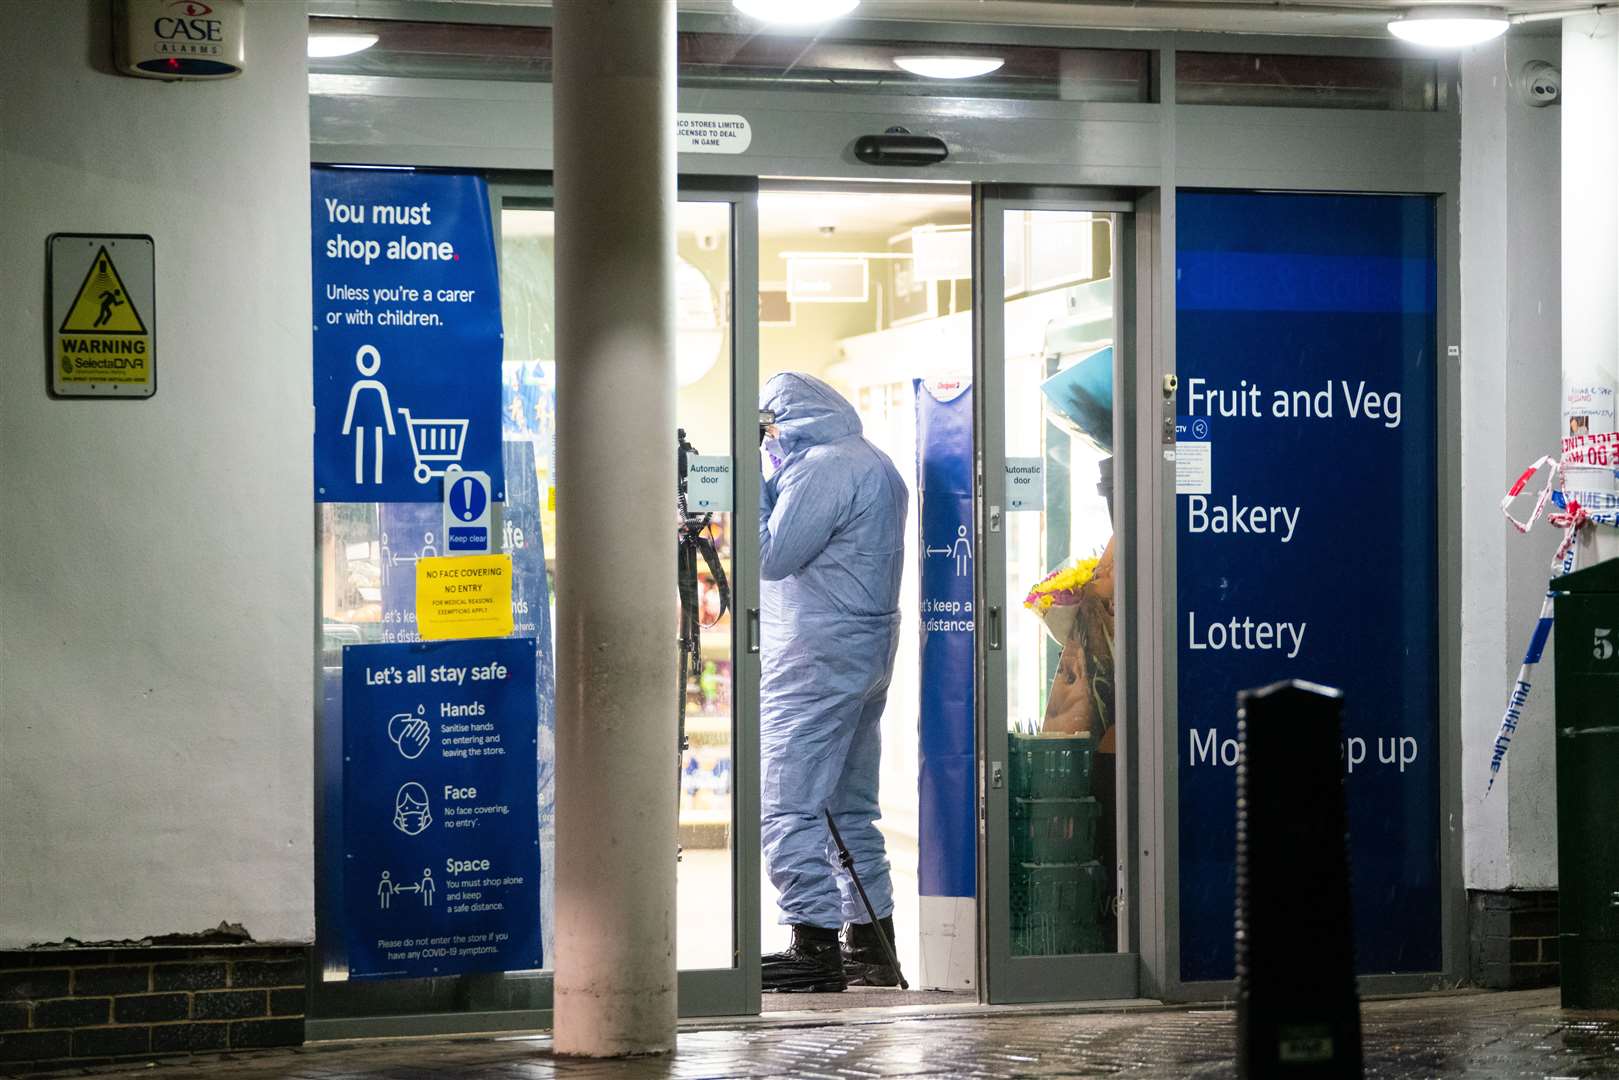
(70, 1007)
(1512, 938)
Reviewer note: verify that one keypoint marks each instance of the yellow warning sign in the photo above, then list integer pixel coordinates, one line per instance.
(103, 335)
(469, 596)
(103, 305)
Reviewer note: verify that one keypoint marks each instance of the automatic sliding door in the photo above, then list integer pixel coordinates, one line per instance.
(1056, 737)
(714, 776)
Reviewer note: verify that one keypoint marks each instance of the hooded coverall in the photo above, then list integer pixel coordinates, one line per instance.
(831, 544)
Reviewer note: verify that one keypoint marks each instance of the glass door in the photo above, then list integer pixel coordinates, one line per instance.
(1056, 744)
(714, 775)
(716, 377)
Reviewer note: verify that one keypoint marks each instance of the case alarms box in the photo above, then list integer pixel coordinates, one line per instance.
(180, 39)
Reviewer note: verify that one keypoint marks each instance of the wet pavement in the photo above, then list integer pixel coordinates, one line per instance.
(1479, 1034)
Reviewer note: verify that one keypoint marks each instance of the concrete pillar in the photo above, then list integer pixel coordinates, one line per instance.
(1511, 401)
(614, 122)
(1591, 246)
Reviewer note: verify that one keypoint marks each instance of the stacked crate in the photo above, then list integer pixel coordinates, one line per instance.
(1059, 889)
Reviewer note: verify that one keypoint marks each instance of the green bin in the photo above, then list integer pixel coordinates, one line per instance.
(1587, 725)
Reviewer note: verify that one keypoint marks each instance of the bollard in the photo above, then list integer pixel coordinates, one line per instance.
(1298, 1014)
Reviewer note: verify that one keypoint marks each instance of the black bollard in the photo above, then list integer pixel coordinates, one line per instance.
(1298, 1014)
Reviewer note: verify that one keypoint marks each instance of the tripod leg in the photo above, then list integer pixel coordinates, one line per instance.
(846, 860)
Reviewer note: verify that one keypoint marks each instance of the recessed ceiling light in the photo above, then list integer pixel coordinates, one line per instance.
(795, 12)
(328, 45)
(949, 67)
(1450, 26)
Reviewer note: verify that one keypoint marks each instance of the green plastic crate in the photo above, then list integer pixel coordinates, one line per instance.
(1050, 766)
(1057, 908)
(1040, 935)
(1054, 830)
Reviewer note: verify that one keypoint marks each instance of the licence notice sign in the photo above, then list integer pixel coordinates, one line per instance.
(103, 312)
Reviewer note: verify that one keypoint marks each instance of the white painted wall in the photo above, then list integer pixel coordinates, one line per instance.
(1511, 402)
(156, 596)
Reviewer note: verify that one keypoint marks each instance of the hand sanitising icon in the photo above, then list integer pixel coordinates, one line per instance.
(409, 733)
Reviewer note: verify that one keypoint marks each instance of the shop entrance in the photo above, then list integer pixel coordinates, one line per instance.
(977, 333)
(982, 342)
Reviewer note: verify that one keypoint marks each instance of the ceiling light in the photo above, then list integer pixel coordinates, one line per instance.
(795, 12)
(949, 67)
(1450, 26)
(328, 45)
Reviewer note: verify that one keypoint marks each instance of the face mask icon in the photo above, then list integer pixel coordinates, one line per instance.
(411, 815)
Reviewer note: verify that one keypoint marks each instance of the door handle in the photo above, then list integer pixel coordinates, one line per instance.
(753, 630)
(995, 629)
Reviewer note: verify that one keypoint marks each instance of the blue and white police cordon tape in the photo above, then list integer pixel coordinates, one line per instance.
(1574, 511)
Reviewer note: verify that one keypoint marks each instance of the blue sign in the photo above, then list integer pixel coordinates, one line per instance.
(410, 531)
(441, 849)
(1307, 341)
(466, 513)
(407, 334)
(469, 499)
(947, 829)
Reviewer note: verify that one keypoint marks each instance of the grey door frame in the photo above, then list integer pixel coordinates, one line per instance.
(1004, 978)
(730, 991)
(523, 1000)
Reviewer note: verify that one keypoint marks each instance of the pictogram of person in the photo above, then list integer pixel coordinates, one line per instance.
(385, 891)
(963, 550)
(426, 886)
(368, 360)
(110, 299)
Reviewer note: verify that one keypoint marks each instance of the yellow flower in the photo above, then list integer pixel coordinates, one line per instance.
(1067, 579)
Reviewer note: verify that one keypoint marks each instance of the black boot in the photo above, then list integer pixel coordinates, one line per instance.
(864, 960)
(811, 964)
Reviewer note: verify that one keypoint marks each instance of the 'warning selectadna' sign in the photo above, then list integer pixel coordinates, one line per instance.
(102, 311)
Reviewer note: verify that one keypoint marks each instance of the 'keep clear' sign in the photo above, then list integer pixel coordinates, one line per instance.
(441, 846)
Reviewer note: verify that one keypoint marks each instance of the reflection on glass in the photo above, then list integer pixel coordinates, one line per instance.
(1062, 738)
(703, 410)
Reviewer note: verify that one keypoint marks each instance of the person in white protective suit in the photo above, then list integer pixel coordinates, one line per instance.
(831, 551)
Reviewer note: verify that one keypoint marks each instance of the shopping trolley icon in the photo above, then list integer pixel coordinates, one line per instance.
(435, 442)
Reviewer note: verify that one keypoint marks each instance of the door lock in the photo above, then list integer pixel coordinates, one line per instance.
(996, 777)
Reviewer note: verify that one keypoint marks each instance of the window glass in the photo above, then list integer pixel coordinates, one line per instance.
(1312, 82)
(1061, 706)
(748, 61)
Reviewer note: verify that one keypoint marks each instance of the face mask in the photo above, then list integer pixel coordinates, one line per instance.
(412, 822)
(774, 453)
(411, 812)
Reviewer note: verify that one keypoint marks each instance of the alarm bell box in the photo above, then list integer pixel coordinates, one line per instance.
(180, 39)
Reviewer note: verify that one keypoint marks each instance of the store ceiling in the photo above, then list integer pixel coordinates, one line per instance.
(1366, 18)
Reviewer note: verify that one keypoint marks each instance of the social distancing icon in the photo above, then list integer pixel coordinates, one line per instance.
(103, 305)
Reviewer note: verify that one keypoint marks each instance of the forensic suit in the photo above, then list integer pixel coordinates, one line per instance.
(831, 540)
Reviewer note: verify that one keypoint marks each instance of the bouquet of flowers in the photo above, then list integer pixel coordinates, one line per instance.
(1075, 604)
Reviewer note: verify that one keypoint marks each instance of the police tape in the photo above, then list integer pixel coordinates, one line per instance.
(1599, 451)
(1574, 510)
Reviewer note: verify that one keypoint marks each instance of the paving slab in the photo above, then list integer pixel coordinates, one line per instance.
(1506, 1035)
